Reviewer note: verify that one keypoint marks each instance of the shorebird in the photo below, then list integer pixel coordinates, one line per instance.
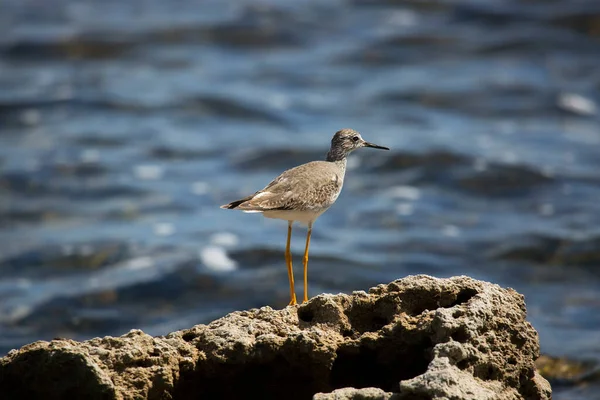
(303, 193)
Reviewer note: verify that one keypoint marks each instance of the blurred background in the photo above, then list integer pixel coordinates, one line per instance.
(124, 125)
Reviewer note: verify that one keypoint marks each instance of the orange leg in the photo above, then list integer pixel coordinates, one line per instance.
(288, 261)
(305, 260)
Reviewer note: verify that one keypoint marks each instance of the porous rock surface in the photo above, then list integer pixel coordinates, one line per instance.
(415, 338)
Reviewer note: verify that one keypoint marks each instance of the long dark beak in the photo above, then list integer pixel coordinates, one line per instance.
(374, 146)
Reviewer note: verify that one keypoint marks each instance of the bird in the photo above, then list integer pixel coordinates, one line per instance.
(301, 194)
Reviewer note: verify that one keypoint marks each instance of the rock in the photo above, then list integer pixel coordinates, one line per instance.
(418, 337)
(356, 394)
(566, 372)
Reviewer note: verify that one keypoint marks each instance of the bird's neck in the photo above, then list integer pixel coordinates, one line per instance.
(336, 155)
(341, 164)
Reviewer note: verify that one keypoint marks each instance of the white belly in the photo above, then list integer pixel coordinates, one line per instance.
(304, 217)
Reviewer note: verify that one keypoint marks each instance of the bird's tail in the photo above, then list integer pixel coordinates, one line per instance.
(235, 204)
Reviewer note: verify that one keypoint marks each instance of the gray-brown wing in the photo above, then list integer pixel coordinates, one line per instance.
(308, 186)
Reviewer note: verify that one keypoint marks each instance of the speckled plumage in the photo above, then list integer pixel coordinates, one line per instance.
(310, 188)
(305, 192)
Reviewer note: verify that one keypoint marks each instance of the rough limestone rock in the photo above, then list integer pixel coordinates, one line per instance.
(415, 338)
(356, 394)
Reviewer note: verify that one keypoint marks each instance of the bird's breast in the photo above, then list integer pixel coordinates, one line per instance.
(302, 216)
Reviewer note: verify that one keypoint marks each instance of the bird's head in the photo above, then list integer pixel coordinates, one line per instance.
(346, 141)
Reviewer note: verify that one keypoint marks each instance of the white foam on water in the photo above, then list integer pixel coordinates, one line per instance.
(163, 229)
(546, 209)
(31, 117)
(18, 313)
(199, 188)
(405, 209)
(216, 258)
(90, 155)
(405, 192)
(450, 231)
(139, 263)
(224, 239)
(577, 104)
(480, 165)
(148, 172)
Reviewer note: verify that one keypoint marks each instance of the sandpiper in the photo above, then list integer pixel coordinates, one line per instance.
(303, 193)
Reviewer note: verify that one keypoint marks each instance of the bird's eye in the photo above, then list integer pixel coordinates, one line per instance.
(355, 138)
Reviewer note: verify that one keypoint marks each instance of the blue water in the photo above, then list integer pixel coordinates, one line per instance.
(124, 125)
